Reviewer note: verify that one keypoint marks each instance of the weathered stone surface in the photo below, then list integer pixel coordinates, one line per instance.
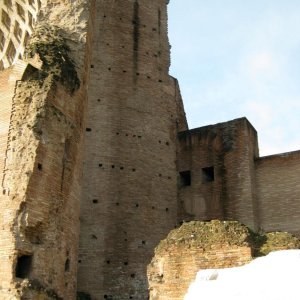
(43, 166)
(206, 245)
(91, 118)
(129, 177)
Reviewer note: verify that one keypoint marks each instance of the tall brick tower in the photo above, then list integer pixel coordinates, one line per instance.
(87, 146)
(130, 180)
(41, 135)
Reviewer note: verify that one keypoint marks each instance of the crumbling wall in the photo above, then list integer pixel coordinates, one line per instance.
(206, 245)
(228, 180)
(37, 203)
(278, 190)
(219, 161)
(7, 88)
(43, 164)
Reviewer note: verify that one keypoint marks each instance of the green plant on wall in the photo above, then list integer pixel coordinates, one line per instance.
(51, 47)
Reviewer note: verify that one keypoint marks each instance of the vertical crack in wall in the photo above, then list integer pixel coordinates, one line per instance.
(136, 36)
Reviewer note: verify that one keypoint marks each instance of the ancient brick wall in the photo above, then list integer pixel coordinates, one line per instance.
(227, 179)
(173, 271)
(219, 161)
(198, 246)
(130, 111)
(40, 196)
(130, 182)
(8, 80)
(182, 254)
(278, 190)
(43, 164)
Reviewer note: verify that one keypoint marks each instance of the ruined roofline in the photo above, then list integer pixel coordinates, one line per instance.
(283, 155)
(210, 127)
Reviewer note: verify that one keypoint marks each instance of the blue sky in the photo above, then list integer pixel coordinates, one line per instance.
(236, 58)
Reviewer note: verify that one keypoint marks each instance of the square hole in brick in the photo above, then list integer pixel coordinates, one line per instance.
(23, 266)
(208, 174)
(185, 178)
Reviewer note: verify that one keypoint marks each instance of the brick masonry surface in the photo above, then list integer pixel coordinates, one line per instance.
(261, 192)
(92, 181)
(129, 177)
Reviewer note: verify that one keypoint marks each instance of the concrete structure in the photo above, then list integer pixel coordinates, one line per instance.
(97, 162)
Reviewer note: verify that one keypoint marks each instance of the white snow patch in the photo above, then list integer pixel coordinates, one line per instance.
(272, 277)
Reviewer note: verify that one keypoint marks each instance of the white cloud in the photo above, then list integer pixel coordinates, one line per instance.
(262, 63)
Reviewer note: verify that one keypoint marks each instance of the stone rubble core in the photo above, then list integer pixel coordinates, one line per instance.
(207, 245)
(97, 161)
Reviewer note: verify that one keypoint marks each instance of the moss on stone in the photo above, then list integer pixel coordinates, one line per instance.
(48, 42)
(279, 241)
(206, 235)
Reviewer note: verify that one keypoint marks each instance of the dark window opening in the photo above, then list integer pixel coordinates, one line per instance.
(6, 20)
(40, 166)
(23, 266)
(30, 20)
(20, 11)
(83, 296)
(88, 129)
(26, 38)
(8, 3)
(11, 52)
(18, 31)
(2, 40)
(185, 178)
(67, 265)
(208, 174)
